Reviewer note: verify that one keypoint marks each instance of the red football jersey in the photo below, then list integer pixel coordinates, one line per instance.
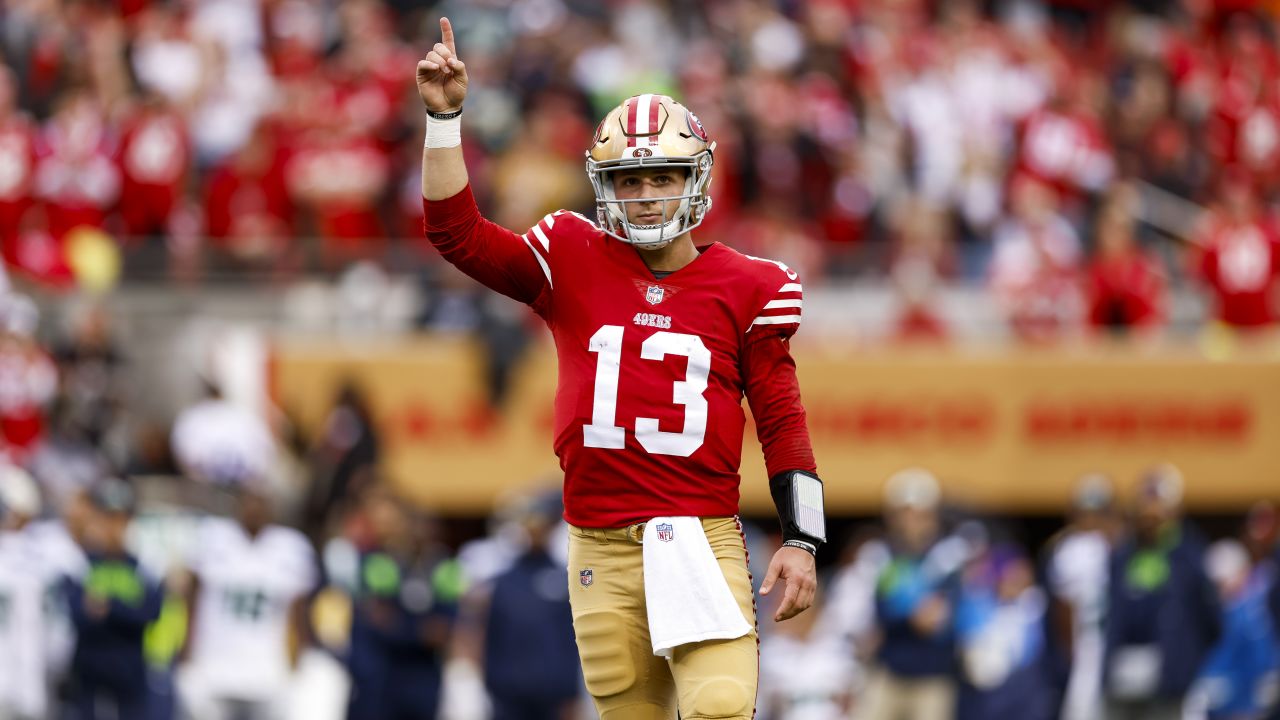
(1242, 265)
(652, 372)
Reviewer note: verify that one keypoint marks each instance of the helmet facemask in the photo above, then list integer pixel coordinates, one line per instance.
(611, 211)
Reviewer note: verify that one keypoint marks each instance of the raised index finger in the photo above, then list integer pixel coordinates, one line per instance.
(446, 35)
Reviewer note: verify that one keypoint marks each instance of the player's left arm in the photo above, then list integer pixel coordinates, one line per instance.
(773, 392)
(301, 633)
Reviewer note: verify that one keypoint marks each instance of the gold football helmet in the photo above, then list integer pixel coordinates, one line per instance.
(651, 131)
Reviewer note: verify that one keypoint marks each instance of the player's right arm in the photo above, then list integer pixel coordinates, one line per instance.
(496, 257)
(442, 84)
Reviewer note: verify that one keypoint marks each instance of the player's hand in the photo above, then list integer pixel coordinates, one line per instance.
(96, 607)
(796, 568)
(931, 615)
(442, 78)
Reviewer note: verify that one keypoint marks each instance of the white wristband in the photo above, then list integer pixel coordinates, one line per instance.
(443, 133)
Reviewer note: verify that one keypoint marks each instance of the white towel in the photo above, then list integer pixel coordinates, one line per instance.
(686, 593)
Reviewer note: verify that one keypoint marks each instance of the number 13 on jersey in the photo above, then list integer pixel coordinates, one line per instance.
(604, 432)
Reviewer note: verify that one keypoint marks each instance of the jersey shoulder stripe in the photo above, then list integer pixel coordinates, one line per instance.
(542, 237)
(542, 263)
(786, 312)
(781, 297)
(555, 229)
(572, 216)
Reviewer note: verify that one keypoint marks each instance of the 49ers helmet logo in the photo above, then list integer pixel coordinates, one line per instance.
(695, 126)
(642, 152)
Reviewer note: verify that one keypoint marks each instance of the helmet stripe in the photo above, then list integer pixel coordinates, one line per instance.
(631, 121)
(643, 103)
(654, 106)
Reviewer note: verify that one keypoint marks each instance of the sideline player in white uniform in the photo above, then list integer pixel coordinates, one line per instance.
(23, 693)
(251, 583)
(36, 637)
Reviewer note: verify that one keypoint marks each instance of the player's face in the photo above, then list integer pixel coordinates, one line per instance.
(642, 183)
(255, 511)
(916, 527)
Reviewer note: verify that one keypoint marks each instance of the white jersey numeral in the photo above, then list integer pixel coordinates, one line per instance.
(603, 431)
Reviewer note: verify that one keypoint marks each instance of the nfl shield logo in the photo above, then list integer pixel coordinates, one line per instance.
(586, 577)
(666, 533)
(654, 296)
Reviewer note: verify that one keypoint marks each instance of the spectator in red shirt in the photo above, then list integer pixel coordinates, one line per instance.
(1125, 285)
(338, 176)
(17, 163)
(1036, 262)
(154, 159)
(1243, 130)
(1064, 144)
(247, 206)
(28, 378)
(77, 180)
(1240, 257)
(924, 254)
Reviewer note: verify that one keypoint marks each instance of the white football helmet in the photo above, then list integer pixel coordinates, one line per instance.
(651, 131)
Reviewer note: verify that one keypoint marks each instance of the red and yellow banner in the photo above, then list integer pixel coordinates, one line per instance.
(1005, 431)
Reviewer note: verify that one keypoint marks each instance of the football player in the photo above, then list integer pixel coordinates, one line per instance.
(250, 582)
(658, 341)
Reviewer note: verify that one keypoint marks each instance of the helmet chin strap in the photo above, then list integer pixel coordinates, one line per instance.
(652, 237)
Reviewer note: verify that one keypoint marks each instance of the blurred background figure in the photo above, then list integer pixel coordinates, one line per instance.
(1077, 561)
(1238, 679)
(1035, 261)
(527, 606)
(1000, 631)
(217, 442)
(405, 606)
(343, 459)
(111, 607)
(24, 584)
(1271, 564)
(915, 669)
(1126, 290)
(1239, 257)
(88, 426)
(18, 140)
(806, 672)
(28, 377)
(1163, 615)
(849, 606)
(154, 160)
(247, 208)
(250, 584)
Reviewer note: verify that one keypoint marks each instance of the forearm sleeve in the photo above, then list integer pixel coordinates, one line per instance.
(773, 392)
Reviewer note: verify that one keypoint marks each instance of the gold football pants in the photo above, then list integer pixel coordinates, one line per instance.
(711, 679)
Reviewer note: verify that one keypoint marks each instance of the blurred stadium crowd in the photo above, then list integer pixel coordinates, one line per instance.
(1080, 160)
(208, 604)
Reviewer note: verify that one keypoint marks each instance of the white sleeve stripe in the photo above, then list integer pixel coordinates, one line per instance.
(791, 287)
(545, 270)
(550, 220)
(776, 320)
(775, 304)
(542, 238)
